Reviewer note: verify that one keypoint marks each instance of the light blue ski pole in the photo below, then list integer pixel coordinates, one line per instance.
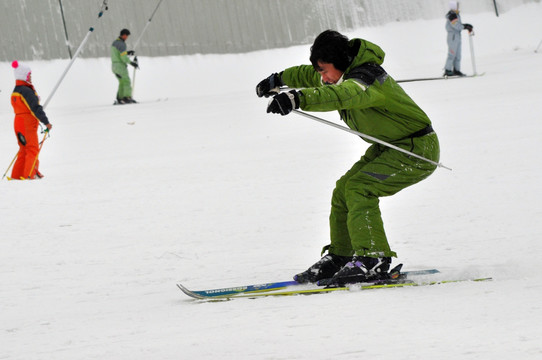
(371, 138)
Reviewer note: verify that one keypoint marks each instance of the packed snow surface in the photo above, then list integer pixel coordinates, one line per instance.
(198, 185)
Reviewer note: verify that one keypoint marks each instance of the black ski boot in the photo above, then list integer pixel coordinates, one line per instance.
(119, 101)
(325, 268)
(361, 269)
(458, 73)
(128, 100)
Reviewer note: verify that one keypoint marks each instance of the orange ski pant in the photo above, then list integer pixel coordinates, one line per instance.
(26, 130)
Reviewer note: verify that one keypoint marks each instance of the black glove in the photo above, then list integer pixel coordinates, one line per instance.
(135, 63)
(284, 103)
(130, 52)
(269, 86)
(469, 27)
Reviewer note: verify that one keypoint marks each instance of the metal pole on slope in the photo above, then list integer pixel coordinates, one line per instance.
(140, 36)
(538, 47)
(371, 138)
(103, 8)
(147, 25)
(471, 34)
(496, 10)
(65, 29)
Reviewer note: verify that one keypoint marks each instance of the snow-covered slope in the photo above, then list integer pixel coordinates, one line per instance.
(197, 184)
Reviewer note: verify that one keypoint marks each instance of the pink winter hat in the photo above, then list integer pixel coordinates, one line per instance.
(22, 71)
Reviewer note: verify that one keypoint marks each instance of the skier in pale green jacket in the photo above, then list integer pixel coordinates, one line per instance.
(346, 75)
(119, 64)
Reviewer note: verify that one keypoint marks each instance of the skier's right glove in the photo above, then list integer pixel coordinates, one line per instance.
(130, 52)
(468, 27)
(269, 86)
(283, 103)
(135, 64)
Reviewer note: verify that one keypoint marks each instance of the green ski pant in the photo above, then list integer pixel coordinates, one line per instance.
(356, 225)
(125, 86)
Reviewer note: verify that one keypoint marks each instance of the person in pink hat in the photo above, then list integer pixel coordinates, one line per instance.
(28, 114)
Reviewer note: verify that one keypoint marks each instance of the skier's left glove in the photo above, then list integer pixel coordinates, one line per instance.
(135, 64)
(130, 52)
(269, 86)
(468, 27)
(284, 103)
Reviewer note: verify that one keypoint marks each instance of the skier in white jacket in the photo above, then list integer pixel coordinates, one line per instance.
(454, 26)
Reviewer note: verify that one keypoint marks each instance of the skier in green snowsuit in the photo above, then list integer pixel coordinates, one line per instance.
(119, 64)
(346, 75)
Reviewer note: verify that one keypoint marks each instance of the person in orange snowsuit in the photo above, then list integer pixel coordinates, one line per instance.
(28, 114)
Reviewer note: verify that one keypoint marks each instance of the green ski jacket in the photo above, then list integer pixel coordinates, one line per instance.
(118, 53)
(367, 98)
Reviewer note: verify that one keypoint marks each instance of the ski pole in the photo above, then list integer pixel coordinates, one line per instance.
(17, 154)
(538, 47)
(472, 52)
(368, 137)
(38, 154)
(133, 77)
(140, 36)
(9, 167)
(34, 164)
(103, 8)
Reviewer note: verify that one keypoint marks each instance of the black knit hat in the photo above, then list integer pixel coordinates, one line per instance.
(124, 32)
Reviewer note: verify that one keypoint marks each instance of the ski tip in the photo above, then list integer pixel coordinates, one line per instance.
(189, 292)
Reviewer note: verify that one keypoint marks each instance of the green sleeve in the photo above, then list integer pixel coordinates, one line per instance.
(350, 94)
(301, 77)
(124, 57)
(119, 53)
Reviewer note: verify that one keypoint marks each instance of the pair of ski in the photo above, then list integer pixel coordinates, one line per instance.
(288, 288)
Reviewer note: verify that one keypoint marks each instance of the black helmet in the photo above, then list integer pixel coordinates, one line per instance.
(124, 32)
